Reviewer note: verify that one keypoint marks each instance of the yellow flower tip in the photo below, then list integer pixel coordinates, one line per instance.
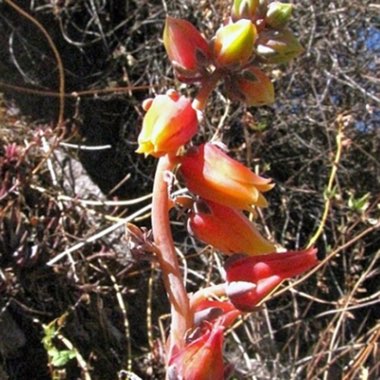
(264, 187)
(261, 201)
(145, 148)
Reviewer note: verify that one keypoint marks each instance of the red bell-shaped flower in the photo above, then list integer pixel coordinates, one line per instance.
(226, 229)
(251, 279)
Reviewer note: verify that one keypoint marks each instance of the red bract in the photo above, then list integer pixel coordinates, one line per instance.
(227, 229)
(213, 175)
(250, 279)
(184, 44)
(169, 123)
(201, 359)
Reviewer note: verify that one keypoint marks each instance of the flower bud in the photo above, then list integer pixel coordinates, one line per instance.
(233, 44)
(278, 46)
(278, 14)
(169, 123)
(244, 9)
(227, 230)
(213, 175)
(185, 46)
(252, 86)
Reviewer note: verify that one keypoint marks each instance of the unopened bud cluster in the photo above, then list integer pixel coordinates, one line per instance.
(254, 35)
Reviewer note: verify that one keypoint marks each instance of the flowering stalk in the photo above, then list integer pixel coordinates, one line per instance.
(167, 257)
(222, 188)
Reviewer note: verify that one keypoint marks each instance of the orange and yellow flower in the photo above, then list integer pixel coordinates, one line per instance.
(169, 123)
(226, 229)
(213, 175)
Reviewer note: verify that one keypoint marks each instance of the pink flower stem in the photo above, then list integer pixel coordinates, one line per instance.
(205, 90)
(181, 317)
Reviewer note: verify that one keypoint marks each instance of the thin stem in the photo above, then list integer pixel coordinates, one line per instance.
(60, 69)
(330, 184)
(167, 257)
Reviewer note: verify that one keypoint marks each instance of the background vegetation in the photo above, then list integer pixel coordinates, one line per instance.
(74, 302)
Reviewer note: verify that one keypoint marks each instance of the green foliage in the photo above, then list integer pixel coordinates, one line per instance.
(57, 357)
(359, 204)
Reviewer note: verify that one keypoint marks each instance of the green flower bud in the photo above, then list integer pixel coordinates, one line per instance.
(244, 9)
(278, 14)
(278, 46)
(233, 43)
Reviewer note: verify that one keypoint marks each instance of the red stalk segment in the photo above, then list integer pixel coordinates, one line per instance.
(167, 256)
